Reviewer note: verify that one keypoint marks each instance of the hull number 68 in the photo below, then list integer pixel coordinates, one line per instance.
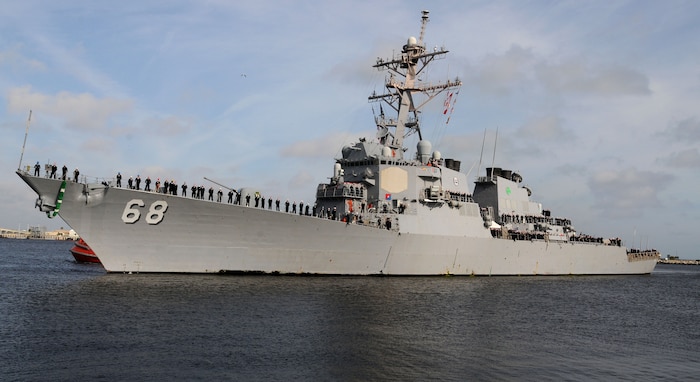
(155, 214)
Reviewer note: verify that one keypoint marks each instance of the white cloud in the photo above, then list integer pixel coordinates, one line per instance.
(627, 192)
(14, 59)
(550, 128)
(577, 76)
(686, 130)
(168, 126)
(77, 111)
(325, 147)
(499, 74)
(689, 158)
(520, 69)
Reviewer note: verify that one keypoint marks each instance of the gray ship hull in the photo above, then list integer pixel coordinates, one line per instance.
(406, 215)
(138, 231)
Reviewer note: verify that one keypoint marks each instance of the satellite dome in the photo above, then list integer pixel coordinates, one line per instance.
(424, 147)
(412, 41)
(386, 151)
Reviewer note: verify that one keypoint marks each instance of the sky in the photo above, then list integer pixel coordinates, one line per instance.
(594, 103)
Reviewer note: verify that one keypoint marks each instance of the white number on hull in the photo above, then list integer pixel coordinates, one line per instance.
(155, 215)
(131, 214)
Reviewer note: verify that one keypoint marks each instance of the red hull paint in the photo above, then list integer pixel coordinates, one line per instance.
(83, 253)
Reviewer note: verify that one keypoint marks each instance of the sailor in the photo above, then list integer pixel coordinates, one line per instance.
(158, 185)
(277, 204)
(65, 171)
(119, 179)
(286, 206)
(130, 182)
(211, 193)
(184, 189)
(230, 196)
(37, 168)
(269, 203)
(138, 182)
(193, 190)
(247, 200)
(75, 174)
(335, 213)
(53, 171)
(166, 187)
(301, 208)
(307, 210)
(257, 199)
(219, 194)
(148, 184)
(294, 207)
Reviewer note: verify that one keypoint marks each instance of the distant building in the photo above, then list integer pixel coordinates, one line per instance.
(61, 234)
(39, 233)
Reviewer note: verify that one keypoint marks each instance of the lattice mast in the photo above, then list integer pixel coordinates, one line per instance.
(401, 96)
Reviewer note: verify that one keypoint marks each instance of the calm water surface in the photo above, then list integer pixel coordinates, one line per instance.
(62, 321)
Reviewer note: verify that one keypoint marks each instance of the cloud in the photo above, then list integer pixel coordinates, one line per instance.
(14, 59)
(580, 77)
(521, 69)
(323, 147)
(168, 126)
(302, 179)
(79, 111)
(499, 74)
(689, 158)
(96, 144)
(687, 130)
(627, 192)
(545, 128)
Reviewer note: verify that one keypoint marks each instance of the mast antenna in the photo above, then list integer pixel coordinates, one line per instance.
(483, 141)
(424, 21)
(493, 160)
(26, 132)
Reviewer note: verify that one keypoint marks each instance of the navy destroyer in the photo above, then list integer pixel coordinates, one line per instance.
(383, 212)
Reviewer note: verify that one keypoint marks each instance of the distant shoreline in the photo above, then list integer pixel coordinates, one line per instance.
(25, 237)
(38, 233)
(679, 261)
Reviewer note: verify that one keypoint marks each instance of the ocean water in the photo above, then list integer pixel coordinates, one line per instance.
(63, 321)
